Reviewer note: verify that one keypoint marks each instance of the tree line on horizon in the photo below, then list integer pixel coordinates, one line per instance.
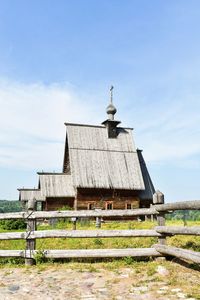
(10, 206)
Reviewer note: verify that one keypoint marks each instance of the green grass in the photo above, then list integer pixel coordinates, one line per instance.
(188, 242)
(98, 243)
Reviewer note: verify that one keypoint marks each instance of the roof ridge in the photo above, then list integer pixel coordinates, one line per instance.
(96, 126)
(84, 125)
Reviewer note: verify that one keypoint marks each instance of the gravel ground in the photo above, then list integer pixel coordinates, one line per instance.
(60, 282)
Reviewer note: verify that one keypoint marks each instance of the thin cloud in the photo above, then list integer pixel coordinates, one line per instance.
(169, 131)
(32, 130)
(31, 122)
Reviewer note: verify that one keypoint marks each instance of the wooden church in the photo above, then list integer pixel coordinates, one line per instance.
(101, 169)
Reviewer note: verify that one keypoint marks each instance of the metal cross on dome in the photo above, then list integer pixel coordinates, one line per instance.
(111, 93)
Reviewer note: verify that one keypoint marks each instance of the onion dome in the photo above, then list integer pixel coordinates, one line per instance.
(111, 111)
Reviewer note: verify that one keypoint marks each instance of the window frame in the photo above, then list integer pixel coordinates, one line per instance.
(108, 205)
(128, 203)
(92, 205)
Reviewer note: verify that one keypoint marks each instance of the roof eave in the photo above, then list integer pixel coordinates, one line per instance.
(51, 173)
(27, 189)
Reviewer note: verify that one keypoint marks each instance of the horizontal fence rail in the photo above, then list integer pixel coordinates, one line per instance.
(82, 253)
(179, 253)
(184, 205)
(41, 234)
(178, 230)
(80, 214)
(157, 232)
(13, 253)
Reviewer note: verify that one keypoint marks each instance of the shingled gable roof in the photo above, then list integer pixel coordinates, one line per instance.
(96, 161)
(30, 194)
(56, 185)
(50, 185)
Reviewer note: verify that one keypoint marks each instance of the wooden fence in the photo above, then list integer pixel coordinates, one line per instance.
(161, 232)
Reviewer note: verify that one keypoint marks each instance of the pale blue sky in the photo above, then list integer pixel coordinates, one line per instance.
(57, 61)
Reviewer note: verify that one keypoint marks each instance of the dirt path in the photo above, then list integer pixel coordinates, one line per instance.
(60, 282)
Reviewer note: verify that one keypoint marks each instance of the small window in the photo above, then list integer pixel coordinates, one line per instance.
(128, 205)
(90, 206)
(109, 205)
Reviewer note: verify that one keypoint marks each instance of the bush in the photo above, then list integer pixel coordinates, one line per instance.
(98, 242)
(66, 207)
(128, 260)
(40, 257)
(12, 224)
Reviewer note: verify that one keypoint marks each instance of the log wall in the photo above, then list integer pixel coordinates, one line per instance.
(84, 203)
(88, 199)
(58, 203)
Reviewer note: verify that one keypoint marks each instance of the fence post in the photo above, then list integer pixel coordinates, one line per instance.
(158, 198)
(152, 216)
(98, 219)
(31, 226)
(74, 223)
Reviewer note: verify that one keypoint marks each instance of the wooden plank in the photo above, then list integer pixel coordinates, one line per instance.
(78, 234)
(100, 253)
(15, 215)
(13, 235)
(95, 213)
(80, 214)
(178, 252)
(183, 205)
(12, 253)
(178, 230)
(88, 253)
